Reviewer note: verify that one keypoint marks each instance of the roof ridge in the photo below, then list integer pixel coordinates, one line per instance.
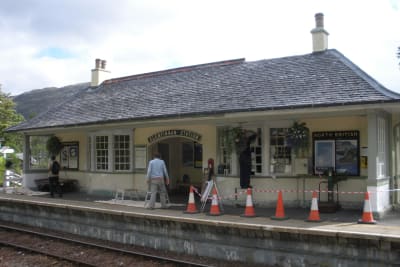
(364, 75)
(175, 70)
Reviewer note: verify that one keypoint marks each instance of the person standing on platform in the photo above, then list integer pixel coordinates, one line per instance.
(245, 168)
(243, 148)
(54, 183)
(157, 177)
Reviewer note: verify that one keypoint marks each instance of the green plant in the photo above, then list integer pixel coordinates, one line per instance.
(2, 169)
(231, 136)
(298, 137)
(54, 145)
(236, 139)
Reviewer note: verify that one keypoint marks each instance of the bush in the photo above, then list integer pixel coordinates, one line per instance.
(2, 169)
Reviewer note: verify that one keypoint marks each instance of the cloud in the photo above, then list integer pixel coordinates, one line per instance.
(54, 43)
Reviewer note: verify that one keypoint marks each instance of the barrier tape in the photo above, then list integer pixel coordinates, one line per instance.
(244, 191)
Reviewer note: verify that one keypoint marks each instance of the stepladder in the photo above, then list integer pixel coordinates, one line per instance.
(207, 195)
(148, 196)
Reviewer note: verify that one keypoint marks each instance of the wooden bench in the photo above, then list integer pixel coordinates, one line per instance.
(67, 185)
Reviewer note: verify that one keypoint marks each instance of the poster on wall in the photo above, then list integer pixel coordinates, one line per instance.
(347, 157)
(70, 156)
(324, 155)
(339, 151)
(140, 157)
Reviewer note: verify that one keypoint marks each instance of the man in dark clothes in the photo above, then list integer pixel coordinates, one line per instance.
(243, 148)
(54, 184)
(245, 168)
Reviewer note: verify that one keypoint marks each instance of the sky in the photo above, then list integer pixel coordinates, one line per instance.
(54, 43)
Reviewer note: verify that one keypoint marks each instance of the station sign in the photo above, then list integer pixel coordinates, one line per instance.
(174, 133)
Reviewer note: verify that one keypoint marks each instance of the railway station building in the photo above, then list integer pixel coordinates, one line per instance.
(316, 121)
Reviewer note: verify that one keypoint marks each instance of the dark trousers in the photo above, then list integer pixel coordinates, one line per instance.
(245, 173)
(54, 185)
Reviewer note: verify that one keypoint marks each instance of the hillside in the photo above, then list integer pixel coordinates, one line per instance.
(34, 102)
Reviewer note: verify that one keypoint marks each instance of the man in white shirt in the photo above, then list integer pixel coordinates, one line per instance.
(156, 173)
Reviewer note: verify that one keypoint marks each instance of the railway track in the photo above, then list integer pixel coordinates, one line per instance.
(83, 251)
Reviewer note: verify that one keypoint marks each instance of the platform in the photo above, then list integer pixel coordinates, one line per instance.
(337, 239)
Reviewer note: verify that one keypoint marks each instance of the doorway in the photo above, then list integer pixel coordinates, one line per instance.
(183, 158)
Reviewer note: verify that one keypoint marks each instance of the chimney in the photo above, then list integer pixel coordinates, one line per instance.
(319, 35)
(99, 73)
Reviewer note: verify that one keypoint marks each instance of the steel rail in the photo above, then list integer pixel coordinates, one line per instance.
(92, 244)
(41, 252)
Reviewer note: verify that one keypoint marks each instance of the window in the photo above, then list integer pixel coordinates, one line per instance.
(381, 148)
(187, 154)
(110, 151)
(280, 152)
(232, 139)
(225, 152)
(101, 153)
(121, 152)
(89, 154)
(39, 157)
(256, 154)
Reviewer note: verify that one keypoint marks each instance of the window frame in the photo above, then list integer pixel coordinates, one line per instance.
(125, 153)
(227, 163)
(41, 153)
(283, 149)
(112, 158)
(69, 156)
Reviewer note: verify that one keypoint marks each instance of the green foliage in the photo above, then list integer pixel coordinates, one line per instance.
(235, 139)
(8, 118)
(38, 151)
(230, 138)
(298, 137)
(54, 145)
(2, 169)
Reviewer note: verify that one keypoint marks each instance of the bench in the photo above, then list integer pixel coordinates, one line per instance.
(67, 185)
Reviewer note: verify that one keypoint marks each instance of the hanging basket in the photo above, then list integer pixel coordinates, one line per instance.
(54, 145)
(298, 137)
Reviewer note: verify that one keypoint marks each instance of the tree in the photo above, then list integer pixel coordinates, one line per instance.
(8, 118)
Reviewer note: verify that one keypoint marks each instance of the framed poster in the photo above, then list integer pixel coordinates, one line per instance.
(324, 151)
(339, 151)
(69, 156)
(347, 157)
(140, 157)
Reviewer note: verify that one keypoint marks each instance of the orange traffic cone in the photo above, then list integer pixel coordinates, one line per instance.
(367, 217)
(314, 213)
(191, 207)
(214, 211)
(249, 211)
(280, 210)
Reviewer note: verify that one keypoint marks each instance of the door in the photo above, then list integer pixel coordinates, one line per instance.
(396, 176)
(163, 148)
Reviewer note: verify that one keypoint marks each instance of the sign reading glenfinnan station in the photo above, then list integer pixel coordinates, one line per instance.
(174, 133)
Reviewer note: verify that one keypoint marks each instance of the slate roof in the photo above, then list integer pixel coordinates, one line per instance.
(311, 80)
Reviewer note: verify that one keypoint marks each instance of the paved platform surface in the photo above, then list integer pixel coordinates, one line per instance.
(342, 221)
(339, 237)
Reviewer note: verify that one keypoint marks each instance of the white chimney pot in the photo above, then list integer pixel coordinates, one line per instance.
(319, 34)
(99, 73)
